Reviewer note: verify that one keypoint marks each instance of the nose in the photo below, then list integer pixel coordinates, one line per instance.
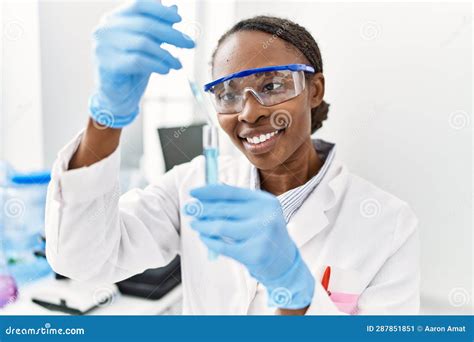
(252, 109)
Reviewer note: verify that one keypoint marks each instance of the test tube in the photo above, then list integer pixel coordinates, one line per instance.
(211, 153)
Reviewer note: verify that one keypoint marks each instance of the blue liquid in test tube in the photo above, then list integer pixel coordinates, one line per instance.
(212, 174)
(211, 154)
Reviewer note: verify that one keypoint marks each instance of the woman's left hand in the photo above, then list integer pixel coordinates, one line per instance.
(249, 227)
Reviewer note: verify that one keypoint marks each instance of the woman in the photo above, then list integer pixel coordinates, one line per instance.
(285, 215)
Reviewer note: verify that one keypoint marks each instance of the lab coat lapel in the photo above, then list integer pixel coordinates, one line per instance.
(310, 219)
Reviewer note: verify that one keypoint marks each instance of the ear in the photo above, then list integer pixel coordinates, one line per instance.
(316, 89)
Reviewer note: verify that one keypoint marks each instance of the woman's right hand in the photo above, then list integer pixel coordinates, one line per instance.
(127, 50)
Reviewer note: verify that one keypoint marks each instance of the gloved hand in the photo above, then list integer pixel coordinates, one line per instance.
(249, 227)
(127, 50)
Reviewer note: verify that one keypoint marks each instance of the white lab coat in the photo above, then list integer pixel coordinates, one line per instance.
(368, 237)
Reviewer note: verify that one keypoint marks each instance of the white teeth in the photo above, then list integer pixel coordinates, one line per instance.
(261, 138)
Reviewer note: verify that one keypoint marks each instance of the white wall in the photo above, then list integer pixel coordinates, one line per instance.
(399, 80)
(21, 122)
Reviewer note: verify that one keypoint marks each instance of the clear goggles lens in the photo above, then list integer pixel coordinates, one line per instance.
(269, 88)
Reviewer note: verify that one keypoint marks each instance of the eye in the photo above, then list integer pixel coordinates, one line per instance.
(227, 96)
(272, 86)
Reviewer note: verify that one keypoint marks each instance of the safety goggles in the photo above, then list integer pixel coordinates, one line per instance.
(270, 85)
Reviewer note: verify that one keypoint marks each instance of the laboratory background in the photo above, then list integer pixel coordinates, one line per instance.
(398, 78)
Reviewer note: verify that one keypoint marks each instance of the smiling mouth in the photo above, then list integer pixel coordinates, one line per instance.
(262, 143)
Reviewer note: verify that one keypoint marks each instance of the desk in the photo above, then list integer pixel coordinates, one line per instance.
(121, 305)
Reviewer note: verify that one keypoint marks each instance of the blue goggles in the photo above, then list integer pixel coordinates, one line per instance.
(270, 85)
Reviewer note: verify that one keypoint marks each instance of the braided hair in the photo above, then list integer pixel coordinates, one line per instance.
(293, 34)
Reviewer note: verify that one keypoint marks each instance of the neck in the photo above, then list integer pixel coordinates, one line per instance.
(296, 171)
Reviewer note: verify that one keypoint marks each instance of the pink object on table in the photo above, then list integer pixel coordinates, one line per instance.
(8, 290)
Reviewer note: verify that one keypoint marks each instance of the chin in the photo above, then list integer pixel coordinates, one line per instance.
(267, 161)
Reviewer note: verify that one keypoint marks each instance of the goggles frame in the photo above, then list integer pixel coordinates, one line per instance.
(299, 68)
(293, 67)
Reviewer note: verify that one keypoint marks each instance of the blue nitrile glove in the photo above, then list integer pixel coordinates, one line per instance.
(127, 50)
(249, 227)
